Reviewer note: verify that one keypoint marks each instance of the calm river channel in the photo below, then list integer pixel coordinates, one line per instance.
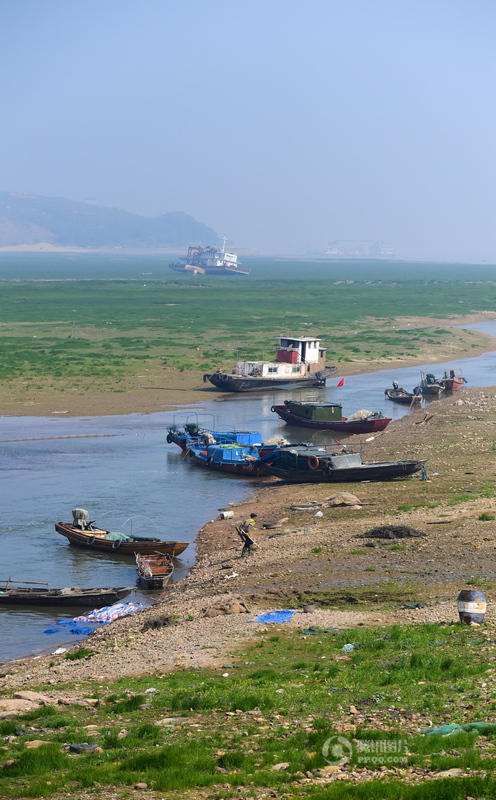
(131, 472)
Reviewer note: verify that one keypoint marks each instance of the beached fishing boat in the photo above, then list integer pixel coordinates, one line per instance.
(154, 570)
(452, 381)
(22, 593)
(300, 361)
(429, 385)
(194, 434)
(399, 395)
(232, 459)
(311, 464)
(83, 533)
(329, 416)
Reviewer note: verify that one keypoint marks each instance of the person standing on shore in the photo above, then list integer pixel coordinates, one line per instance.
(245, 531)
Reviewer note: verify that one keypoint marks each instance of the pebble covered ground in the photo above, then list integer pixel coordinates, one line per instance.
(318, 562)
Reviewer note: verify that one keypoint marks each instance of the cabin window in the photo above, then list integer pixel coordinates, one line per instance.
(296, 369)
(272, 369)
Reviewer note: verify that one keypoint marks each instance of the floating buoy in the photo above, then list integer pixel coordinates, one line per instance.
(472, 606)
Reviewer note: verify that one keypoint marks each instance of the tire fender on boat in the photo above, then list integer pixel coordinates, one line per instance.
(169, 439)
(272, 408)
(313, 462)
(116, 545)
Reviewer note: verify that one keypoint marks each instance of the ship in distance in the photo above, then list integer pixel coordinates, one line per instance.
(209, 261)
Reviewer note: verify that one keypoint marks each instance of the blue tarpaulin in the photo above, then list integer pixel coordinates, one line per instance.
(276, 616)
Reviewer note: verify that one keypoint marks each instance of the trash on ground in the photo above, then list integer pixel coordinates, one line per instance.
(275, 616)
(99, 616)
(454, 728)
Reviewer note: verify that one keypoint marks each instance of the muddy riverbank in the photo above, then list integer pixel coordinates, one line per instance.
(322, 561)
(163, 388)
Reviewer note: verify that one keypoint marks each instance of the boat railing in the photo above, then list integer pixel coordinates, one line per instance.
(4, 583)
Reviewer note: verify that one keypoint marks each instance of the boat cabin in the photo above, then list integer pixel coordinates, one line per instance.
(317, 412)
(300, 350)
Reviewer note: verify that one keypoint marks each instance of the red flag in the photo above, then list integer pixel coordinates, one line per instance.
(341, 382)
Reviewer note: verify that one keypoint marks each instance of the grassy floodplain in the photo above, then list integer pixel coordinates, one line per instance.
(111, 318)
(262, 723)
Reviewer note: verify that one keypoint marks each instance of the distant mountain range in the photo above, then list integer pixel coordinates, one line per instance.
(30, 219)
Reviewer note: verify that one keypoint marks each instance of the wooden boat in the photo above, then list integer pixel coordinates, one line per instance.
(313, 464)
(429, 385)
(232, 459)
(329, 416)
(452, 381)
(42, 595)
(154, 570)
(400, 395)
(83, 533)
(300, 361)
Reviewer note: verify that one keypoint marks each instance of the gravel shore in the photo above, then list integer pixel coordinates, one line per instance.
(317, 565)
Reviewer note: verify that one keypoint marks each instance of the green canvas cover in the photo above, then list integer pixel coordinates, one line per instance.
(117, 536)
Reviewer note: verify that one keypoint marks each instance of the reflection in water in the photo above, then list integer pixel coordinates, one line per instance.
(134, 474)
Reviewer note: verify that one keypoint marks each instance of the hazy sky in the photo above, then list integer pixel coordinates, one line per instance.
(284, 124)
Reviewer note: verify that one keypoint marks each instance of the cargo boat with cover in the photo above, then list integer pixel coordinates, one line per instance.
(312, 464)
(232, 459)
(83, 533)
(193, 434)
(300, 361)
(329, 416)
(29, 593)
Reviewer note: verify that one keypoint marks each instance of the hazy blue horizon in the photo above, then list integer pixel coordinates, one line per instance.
(284, 126)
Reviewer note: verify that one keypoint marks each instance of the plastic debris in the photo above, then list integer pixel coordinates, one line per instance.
(276, 616)
(450, 729)
(82, 748)
(59, 651)
(99, 616)
(348, 648)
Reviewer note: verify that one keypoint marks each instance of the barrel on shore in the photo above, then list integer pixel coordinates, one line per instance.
(471, 606)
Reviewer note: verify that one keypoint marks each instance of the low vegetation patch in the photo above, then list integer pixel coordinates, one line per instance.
(281, 703)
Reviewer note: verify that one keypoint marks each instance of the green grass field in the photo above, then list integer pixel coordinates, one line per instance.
(110, 327)
(278, 703)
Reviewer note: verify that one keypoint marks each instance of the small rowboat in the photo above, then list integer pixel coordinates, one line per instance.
(154, 571)
(43, 595)
(402, 396)
(83, 533)
(452, 381)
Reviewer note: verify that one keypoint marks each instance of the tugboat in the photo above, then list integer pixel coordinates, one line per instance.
(209, 261)
(300, 361)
